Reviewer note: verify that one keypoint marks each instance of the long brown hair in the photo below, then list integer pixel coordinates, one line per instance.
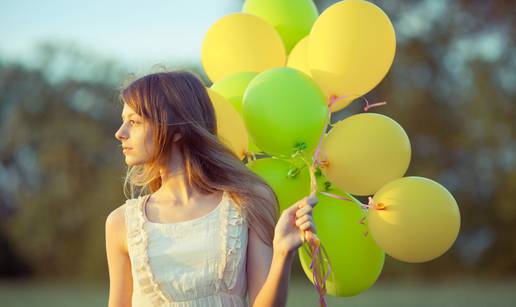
(178, 102)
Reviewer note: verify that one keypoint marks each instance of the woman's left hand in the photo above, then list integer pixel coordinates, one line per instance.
(290, 229)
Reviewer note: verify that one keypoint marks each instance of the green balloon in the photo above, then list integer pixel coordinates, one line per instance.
(233, 87)
(356, 260)
(275, 172)
(284, 111)
(292, 19)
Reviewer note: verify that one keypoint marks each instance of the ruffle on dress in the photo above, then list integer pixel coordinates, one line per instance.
(232, 224)
(137, 241)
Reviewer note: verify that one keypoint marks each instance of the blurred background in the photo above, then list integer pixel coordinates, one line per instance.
(452, 87)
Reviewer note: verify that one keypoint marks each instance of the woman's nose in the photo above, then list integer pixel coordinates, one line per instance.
(120, 134)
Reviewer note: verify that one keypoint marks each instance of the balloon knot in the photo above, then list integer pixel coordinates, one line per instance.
(370, 204)
(322, 163)
(250, 155)
(379, 206)
(334, 99)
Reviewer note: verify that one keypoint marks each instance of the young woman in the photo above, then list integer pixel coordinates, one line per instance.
(207, 232)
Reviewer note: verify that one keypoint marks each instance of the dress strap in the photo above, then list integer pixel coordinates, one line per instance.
(137, 244)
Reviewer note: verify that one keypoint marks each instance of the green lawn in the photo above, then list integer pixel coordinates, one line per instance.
(466, 293)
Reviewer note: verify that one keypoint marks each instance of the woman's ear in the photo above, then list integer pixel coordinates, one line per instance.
(176, 137)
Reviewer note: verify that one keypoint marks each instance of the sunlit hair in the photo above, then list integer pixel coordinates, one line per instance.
(178, 102)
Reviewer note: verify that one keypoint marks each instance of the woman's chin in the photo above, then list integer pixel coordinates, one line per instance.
(132, 162)
(129, 161)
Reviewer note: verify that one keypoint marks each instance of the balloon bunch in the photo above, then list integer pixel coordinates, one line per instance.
(279, 70)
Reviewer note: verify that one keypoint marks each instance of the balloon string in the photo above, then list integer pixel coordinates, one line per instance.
(365, 207)
(316, 250)
(369, 106)
(336, 196)
(314, 244)
(370, 204)
(318, 254)
(333, 99)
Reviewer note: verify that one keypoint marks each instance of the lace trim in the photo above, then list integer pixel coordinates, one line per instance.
(232, 224)
(137, 240)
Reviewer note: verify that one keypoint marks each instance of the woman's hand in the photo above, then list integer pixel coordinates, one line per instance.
(289, 231)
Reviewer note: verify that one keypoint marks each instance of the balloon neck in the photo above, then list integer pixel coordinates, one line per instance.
(334, 99)
(379, 206)
(371, 204)
(323, 163)
(250, 155)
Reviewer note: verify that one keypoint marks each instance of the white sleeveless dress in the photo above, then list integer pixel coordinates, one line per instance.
(195, 263)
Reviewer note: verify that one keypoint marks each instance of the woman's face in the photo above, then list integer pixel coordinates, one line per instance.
(135, 136)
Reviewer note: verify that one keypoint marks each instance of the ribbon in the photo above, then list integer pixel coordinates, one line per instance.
(320, 260)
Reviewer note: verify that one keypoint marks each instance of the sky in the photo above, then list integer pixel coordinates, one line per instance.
(136, 32)
(140, 34)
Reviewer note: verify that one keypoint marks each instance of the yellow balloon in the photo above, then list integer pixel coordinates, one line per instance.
(230, 125)
(241, 42)
(363, 152)
(298, 57)
(232, 88)
(419, 222)
(351, 49)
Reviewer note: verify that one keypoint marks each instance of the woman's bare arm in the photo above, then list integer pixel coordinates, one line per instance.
(268, 273)
(268, 267)
(119, 264)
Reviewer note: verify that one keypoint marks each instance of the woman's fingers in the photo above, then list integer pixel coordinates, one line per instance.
(300, 208)
(309, 200)
(306, 226)
(303, 215)
(304, 210)
(305, 222)
(303, 219)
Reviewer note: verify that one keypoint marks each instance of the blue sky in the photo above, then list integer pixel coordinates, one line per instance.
(140, 33)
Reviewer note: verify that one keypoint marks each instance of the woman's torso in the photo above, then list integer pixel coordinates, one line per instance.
(199, 262)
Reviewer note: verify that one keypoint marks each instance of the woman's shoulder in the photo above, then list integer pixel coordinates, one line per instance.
(128, 209)
(115, 226)
(117, 216)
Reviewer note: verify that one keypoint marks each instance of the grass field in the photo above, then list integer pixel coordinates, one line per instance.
(466, 293)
